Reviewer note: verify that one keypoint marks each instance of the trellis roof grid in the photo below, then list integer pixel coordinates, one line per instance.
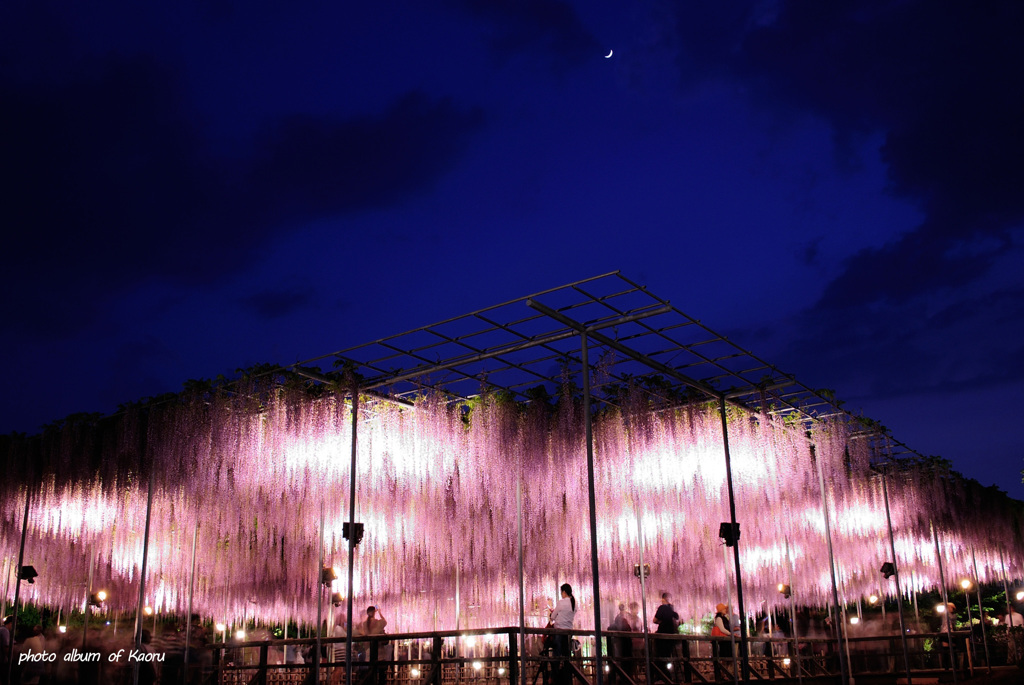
(514, 347)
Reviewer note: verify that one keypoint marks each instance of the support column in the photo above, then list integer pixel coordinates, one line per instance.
(191, 590)
(349, 629)
(844, 666)
(522, 583)
(599, 662)
(643, 595)
(142, 575)
(896, 574)
(17, 581)
(744, 653)
(945, 601)
(981, 611)
(319, 599)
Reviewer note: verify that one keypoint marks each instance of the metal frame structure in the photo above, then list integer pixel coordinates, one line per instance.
(518, 345)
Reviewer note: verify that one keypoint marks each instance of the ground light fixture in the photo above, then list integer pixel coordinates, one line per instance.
(62, 629)
(414, 672)
(854, 620)
(785, 590)
(97, 599)
(148, 611)
(220, 627)
(966, 584)
(1020, 595)
(470, 641)
(786, 661)
(477, 665)
(501, 671)
(239, 634)
(940, 608)
(873, 599)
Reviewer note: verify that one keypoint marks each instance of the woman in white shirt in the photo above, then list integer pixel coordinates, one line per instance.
(562, 617)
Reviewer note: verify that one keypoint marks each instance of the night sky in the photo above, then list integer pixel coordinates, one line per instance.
(190, 188)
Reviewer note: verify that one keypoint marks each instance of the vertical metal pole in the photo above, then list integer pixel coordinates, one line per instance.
(191, 591)
(732, 629)
(7, 586)
(522, 582)
(643, 596)
(349, 629)
(17, 581)
(458, 594)
(142, 575)
(945, 600)
(744, 656)
(1006, 587)
(599, 670)
(896, 574)
(981, 612)
(792, 617)
(320, 597)
(88, 596)
(844, 667)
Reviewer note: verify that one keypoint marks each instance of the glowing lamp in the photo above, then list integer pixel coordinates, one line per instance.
(477, 665)
(239, 634)
(108, 623)
(995, 621)
(966, 584)
(854, 620)
(873, 599)
(470, 641)
(501, 671)
(1020, 595)
(785, 662)
(940, 608)
(414, 672)
(220, 627)
(328, 574)
(148, 611)
(785, 590)
(669, 666)
(62, 629)
(606, 669)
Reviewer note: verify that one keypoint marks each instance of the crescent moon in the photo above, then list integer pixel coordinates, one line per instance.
(609, 54)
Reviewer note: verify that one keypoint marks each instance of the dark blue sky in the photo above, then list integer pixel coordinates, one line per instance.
(837, 186)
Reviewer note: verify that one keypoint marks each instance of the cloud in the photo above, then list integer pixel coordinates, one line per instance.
(551, 25)
(274, 304)
(944, 85)
(111, 181)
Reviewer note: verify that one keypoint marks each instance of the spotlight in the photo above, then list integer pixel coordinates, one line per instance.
(470, 641)
(940, 608)
(636, 570)
(501, 671)
(786, 662)
(1020, 595)
(966, 584)
(345, 530)
(239, 634)
(873, 599)
(96, 598)
(108, 623)
(729, 532)
(477, 665)
(102, 595)
(28, 573)
(854, 620)
(148, 611)
(328, 575)
(220, 627)
(668, 666)
(414, 672)
(337, 599)
(606, 669)
(785, 590)
(888, 570)
(62, 629)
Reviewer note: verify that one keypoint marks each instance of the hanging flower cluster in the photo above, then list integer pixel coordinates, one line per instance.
(443, 491)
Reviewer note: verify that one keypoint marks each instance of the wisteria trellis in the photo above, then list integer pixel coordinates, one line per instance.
(436, 490)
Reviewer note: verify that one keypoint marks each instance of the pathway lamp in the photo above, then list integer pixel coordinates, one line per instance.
(785, 590)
